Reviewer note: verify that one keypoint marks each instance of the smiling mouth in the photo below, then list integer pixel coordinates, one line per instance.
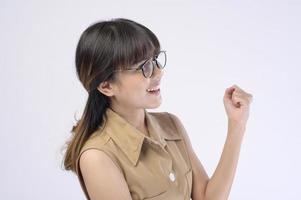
(155, 91)
(156, 88)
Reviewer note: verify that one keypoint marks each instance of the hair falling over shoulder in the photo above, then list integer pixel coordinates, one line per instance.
(102, 48)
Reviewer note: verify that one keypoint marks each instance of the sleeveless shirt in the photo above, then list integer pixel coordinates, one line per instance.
(155, 167)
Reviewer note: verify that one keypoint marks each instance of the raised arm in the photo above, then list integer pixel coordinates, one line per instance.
(220, 183)
(218, 187)
(102, 177)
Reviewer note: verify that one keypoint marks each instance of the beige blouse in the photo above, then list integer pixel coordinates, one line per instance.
(155, 167)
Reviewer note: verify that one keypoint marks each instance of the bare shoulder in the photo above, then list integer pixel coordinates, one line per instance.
(103, 179)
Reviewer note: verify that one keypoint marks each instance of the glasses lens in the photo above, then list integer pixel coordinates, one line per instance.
(148, 68)
(161, 59)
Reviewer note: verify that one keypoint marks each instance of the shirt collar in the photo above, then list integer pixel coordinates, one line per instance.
(130, 139)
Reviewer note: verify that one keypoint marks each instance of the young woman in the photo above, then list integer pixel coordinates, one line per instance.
(118, 149)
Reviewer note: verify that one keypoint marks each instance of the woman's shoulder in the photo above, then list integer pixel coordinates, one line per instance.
(166, 118)
(168, 122)
(97, 140)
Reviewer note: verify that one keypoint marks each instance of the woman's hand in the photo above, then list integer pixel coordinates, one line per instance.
(237, 104)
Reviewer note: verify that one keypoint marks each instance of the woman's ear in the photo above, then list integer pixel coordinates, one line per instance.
(106, 88)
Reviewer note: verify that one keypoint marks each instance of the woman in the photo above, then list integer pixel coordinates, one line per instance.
(121, 151)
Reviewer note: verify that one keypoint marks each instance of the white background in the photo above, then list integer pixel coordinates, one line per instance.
(210, 45)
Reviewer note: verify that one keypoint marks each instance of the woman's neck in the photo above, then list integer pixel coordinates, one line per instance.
(136, 117)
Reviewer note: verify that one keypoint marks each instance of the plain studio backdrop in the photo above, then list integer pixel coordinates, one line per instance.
(210, 46)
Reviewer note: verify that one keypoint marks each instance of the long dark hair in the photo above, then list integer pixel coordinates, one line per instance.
(102, 48)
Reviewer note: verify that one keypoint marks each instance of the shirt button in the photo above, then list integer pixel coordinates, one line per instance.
(172, 176)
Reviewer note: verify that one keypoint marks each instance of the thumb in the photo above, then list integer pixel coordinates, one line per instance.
(228, 92)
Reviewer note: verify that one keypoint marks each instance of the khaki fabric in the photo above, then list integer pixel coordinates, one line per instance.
(155, 167)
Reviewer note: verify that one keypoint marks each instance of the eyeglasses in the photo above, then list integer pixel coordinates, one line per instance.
(148, 66)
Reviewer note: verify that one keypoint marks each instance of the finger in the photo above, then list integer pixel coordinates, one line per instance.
(246, 96)
(229, 92)
(242, 92)
(250, 96)
(238, 89)
(238, 94)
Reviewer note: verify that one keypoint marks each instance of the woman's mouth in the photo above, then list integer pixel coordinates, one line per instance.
(154, 91)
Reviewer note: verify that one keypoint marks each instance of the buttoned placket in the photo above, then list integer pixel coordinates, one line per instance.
(157, 142)
(171, 173)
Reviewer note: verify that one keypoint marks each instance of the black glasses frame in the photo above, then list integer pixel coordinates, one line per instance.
(154, 59)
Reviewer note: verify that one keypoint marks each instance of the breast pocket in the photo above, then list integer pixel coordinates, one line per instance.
(160, 196)
(156, 191)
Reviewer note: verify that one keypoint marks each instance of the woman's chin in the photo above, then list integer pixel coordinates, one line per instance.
(154, 105)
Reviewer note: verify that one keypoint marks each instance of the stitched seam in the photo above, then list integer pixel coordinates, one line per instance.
(177, 128)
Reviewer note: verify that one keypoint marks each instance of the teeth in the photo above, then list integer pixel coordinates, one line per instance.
(153, 89)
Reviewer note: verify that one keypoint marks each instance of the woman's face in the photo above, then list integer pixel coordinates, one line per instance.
(131, 89)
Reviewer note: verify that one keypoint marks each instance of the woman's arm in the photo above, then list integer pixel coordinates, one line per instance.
(237, 105)
(102, 177)
(219, 185)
